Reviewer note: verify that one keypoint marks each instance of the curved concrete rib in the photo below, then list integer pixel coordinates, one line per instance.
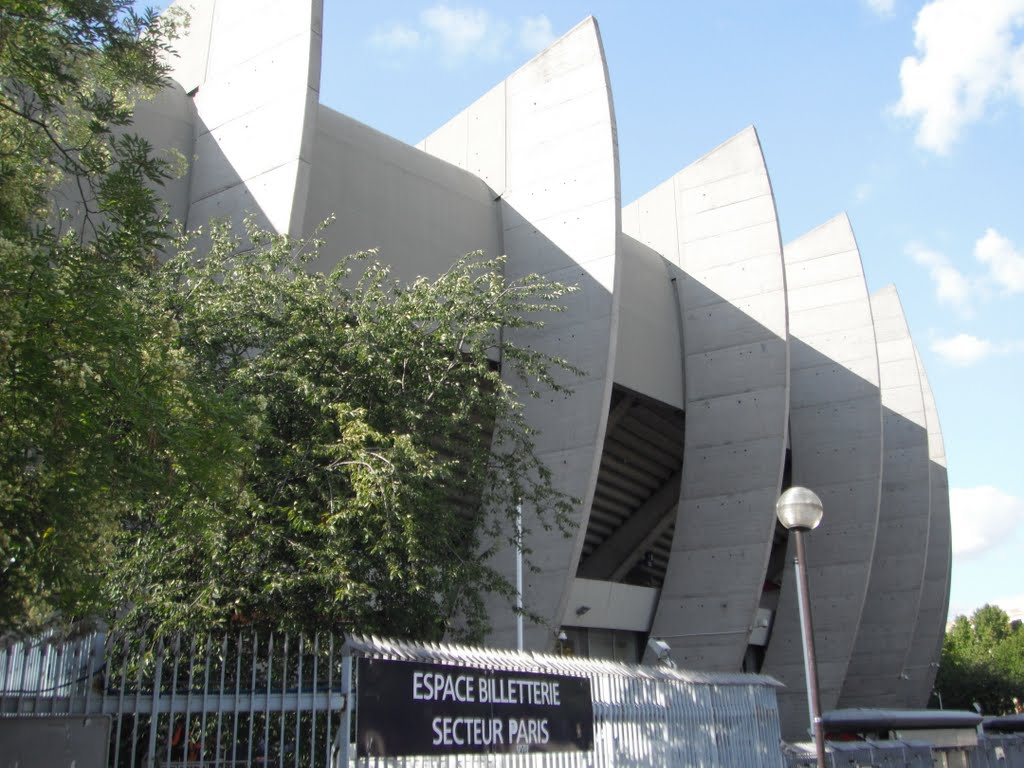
(875, 675)
(922, 660)
(254, 70)
(716, 222)
(544, 140)
(836, 437)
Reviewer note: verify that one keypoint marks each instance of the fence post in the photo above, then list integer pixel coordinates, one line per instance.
(154, 719)
(341, 738)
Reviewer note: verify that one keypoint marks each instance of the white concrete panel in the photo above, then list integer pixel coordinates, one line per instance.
(272, 72)
(475, 139)
(829, 320)
(648, 323)
(836, 439)
(826, 294)
(545, 142)
(256, 107)
(922, 660)
(188, 67)
(737, 278)
(710, 223)
(726, 371)
(609, 605)
(720, 195)
(166, 122)
(715, 221)
(731, 320)
(244, 29)
(717, 515)
(421, 213)
(238, 201)
(875, 676)
(227, 151)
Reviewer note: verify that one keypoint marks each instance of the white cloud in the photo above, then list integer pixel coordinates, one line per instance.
(982, 518)
(1005, 263)
(535, 33)
(951, 286)
(1013, 604)
(462, 32)
(963, 349)
(968, 59)
(395, 38)
(881, 7)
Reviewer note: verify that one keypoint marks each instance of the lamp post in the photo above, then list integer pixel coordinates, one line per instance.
(519, 575)
(799, 510)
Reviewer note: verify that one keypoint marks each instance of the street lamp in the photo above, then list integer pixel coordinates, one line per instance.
(799, 510)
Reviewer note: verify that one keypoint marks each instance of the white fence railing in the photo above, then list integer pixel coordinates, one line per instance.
(250, 700)
(230, 701)
(643, 715)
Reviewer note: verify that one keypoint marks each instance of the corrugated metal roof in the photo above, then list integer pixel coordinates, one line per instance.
(1005, 723)
(529, 661)
(903, 719)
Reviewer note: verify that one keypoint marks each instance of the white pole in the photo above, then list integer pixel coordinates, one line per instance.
(519, 576)
(807, 636)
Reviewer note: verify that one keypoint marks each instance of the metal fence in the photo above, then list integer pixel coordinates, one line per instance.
(997, 750)
(231, 701)
(992, 751)
(643, 716)
(249, 700)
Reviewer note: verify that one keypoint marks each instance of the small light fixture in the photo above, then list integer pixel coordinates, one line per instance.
(799, 508)
(582, 610)
(662, 651)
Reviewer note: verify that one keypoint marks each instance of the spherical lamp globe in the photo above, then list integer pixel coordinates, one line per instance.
(799, 508)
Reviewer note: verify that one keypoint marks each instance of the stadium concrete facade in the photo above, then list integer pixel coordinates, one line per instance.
(722, 366)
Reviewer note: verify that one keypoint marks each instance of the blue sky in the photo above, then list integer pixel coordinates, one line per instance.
(906, 115)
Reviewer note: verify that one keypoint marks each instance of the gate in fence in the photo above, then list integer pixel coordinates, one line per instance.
(249, 700)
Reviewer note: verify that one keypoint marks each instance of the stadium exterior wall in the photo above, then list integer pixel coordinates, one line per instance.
(720, 366)
(836, 434)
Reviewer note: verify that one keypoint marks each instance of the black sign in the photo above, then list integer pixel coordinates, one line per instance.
(411, 708)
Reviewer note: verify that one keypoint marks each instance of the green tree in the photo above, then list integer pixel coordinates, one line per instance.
(369, 488)
(220, 437)
(95, 412)
(983, 662)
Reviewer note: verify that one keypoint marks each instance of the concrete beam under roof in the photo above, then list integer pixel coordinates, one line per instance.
(715, 224)
(836, 439)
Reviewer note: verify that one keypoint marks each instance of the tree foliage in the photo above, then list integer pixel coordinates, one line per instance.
(88, 381)
(983, 662)
(210, 438)
(366, 411)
